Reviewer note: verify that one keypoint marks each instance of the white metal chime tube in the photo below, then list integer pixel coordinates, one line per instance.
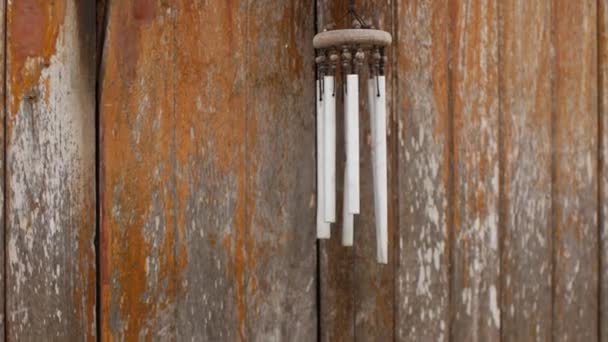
(371, 103)
(380, 170)
(352, 141)
(348, 221)
(323, 231)
(329, 142)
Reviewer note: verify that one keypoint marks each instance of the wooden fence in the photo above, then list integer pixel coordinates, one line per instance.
(159, 174)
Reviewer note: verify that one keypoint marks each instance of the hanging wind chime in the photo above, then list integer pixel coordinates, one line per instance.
(346, 51)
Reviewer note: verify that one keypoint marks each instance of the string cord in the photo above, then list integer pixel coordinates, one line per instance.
(352, 11)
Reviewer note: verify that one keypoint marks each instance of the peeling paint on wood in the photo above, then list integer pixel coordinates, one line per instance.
(50, 171)
(143, 252)
(525, 105)
(575, 216)
(422, 246)
(211, 185)
(201, 212)
(281, 239)
(208, 205)
(474, 94)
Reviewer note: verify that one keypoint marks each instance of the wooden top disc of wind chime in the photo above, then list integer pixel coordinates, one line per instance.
(361, 37)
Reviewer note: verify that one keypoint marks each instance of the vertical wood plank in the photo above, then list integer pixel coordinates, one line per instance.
(204, 232)
(603, 160)
(474, 95)
(422, 277)
(281, 238)
(50, 165)
(337, 288)
(575, 180)
(140, 265)
(373, 282)
(525, 110)
(211, 174)
(2, 169)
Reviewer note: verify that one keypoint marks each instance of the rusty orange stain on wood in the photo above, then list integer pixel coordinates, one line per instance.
(144, 10)
(240, 262)
(140, 13)
(85, 297)
(33, 26)
(226, 127)
(244, 258)
(131, 183)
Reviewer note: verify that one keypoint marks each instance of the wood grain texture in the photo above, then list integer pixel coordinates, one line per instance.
(422, 251)
(211, 172)
(281, 237)
(142, 249)
(525, 149)
(2, 171)
(204, 232)
(50, 170)
(575, 206)
(475, 292)
(374, 282)
(336, 264)
(602, 13)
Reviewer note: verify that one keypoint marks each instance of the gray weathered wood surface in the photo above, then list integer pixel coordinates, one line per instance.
(474, 95)
(210, 130)
(497, 173)
(139, 240)
(525, 172)
(281, 247)
(423, 151)
(50, 171)
(575, 195)
(603, 166)
(206, 202)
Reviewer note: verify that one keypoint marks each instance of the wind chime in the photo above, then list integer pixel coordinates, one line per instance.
(347, 51)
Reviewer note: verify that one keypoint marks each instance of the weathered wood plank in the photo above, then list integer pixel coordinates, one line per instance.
(281, 236)
(575, 215)
(142, 258)
(525, 157)
(202, 215)
(422, 271)
(211, 173)
(50, 165)
(603, 160)
(374, 282)
(2, 171)
(337, 306)
(474, 100)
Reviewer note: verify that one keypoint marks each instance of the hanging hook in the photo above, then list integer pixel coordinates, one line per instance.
(352, 12)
